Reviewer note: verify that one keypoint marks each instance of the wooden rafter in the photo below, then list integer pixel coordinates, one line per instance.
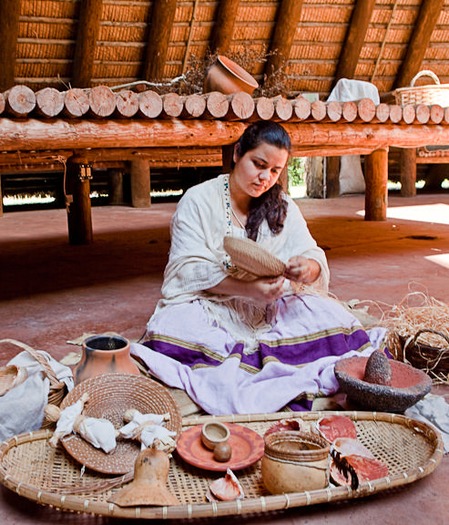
(162, 18)
(287, 19)
(427, 18)
(224, 26)
(355, 38)
(9, 29)
(86, 41)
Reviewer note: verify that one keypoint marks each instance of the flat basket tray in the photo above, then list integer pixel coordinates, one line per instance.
(31, 468)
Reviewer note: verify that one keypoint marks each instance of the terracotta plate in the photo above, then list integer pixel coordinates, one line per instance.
(247, 448)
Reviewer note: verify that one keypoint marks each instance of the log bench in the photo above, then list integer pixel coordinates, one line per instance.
(96, 127)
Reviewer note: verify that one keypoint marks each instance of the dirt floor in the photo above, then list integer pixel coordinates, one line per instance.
(51, 293)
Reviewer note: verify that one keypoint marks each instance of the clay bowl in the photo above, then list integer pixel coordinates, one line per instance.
(408, 385)
(213, 434)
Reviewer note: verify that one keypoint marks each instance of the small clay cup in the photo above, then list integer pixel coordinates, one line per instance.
(295, 462)
(214, 433)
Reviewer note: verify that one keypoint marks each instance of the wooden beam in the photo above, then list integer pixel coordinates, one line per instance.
(355, 39)
(86, 42)
(223, 29)
(9, 30)
(160, 26)
(287, 19)
(316, 138)
(158, 157)
(426, 20)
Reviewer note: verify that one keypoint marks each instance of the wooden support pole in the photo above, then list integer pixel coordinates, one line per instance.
(79, 206)
(332, 177)
(1, 197)
(227, 153)
(115, 183)
(140, 183)
(407, 171)
(376, 178)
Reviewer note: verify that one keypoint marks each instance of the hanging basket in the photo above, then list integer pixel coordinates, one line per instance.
(431, 94)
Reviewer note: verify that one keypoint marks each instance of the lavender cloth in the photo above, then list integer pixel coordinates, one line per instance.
(296, 356)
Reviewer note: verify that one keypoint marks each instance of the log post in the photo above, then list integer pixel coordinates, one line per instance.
(115, 183)
(140, 183)
(1, 197)
(376, 178)
(332, 177)
(227, 153)
(79, 174)
(407, 171)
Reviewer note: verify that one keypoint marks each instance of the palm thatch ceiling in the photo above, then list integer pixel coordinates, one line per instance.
(289, 46)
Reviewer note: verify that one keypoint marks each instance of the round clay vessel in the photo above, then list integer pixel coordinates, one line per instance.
(407, 385)
(104, 354)
(228, 77)
(294, 462)
(213, 434)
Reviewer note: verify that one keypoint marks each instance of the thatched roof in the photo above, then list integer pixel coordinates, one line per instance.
(308, 44)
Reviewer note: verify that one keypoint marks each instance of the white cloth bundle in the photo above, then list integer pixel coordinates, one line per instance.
(149, 429)
(98, 432)
(22, 407)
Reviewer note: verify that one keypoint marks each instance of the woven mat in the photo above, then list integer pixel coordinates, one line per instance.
(31, 468)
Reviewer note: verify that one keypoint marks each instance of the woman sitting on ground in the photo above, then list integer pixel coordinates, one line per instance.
(237, 345)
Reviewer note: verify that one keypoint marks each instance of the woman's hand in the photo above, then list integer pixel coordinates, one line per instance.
(302, 270)
(263, 290)
(266, 289)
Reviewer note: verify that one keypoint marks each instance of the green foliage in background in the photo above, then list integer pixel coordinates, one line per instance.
(296, 171)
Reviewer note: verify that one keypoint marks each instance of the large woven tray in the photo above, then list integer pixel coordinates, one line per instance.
(31, 468)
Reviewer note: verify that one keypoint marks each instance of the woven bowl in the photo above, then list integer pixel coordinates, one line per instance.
(408, 385)
(110, 395)
(248, 255)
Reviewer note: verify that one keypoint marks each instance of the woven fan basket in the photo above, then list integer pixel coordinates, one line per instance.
(58, 389)
(253, 258)
(431, 94)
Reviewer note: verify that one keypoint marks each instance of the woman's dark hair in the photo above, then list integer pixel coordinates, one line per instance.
(271, 205)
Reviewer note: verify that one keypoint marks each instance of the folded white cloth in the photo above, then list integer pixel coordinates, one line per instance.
(347, 89)
(435, 410)
(22, 407)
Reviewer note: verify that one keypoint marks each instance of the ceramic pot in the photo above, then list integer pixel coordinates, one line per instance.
(104, 354)
(295, 462)
(228, 77)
